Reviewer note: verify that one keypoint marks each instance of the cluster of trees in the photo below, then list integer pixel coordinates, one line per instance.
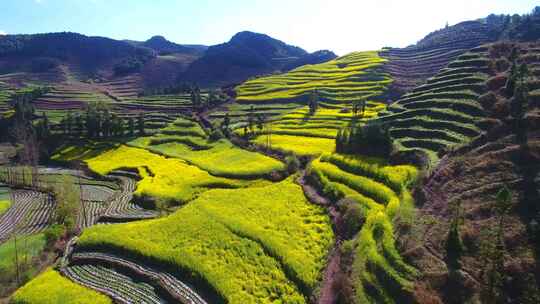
(91, 51)
(359, 108)
(201, 103)
(517, 27)
(128, 66)
(181, 88)
(371, 139)
(97, 123)
(255, 121)
(518, 91)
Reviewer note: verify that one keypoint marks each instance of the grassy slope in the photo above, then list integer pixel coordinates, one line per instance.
(51, 288)
(339, 83)
(378, 273)
(184, 139)
(248, 244)
(443, 112)
(28, 247)
(5, 201)
(341, 80)
(166, 178)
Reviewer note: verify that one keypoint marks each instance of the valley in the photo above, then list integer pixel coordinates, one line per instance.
(253, 171)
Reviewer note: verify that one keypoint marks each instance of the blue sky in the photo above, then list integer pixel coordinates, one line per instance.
(340, 25)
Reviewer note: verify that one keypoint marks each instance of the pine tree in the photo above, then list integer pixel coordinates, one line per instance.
(339, 141)
(131, 126)
(454, 244)
(313, 102)
(140, 124)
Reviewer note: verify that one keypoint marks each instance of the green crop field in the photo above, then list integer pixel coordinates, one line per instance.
(29, 248)
(343, 80)
(443, 112)
(52, 288)
(5, 200)
(261, 244)
(165, 178)
(184, 139)
(381, 191)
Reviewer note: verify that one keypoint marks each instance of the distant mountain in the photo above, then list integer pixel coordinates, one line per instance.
(43, 52)
(166, 47)
(247, 54)
(313, 58)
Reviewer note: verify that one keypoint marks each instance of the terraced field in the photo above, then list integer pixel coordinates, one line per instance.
(379, 274)
(30, 213)
(444, 111)
(271, 247)
(353, 77)
(412, 66)
(5, 92)
(58, 290)
(282, 100)
(5, 200)
(186, 140)
(124, 87)
(96, 269)
(160, 175)
(310, 134)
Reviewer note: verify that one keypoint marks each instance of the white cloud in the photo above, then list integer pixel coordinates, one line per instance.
(2, 33)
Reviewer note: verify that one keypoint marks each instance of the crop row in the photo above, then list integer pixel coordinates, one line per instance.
(179, 290)
(30, 213)
(118, 286)
(377, 265)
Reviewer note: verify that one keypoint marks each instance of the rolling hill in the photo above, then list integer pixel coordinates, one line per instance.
(253, 199)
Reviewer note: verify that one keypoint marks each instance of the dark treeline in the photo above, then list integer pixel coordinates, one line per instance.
(517, 27)
(63, 46)
(96, 123)
(181, 88)
(372, 139)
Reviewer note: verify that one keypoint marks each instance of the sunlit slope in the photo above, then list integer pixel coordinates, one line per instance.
(353, 77)
(445, 111)
(282, 99)
(379, 274)
(52, 288)
(254, 245)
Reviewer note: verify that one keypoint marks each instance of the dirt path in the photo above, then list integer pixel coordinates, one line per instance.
(328, 294)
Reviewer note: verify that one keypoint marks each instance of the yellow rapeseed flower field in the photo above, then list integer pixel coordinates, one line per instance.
(250, 245)
(52, 288)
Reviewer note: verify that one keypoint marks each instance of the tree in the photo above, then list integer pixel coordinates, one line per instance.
(43, 128)
(313, 102)
(196, 98)
(225, 124)
(496, 250)
(251, 118)
(140, 124)
(339, 141)
(119, 127)
(520, 101)
(106, 124)
(69, 122)
(454, 244)
(131, 126)
(261, 120)
(79, 124)
(68, 201)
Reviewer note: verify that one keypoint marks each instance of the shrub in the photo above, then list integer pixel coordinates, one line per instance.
(488, 100)
(53, 233)
(353, 216)
(216, 135)
(293, 164)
